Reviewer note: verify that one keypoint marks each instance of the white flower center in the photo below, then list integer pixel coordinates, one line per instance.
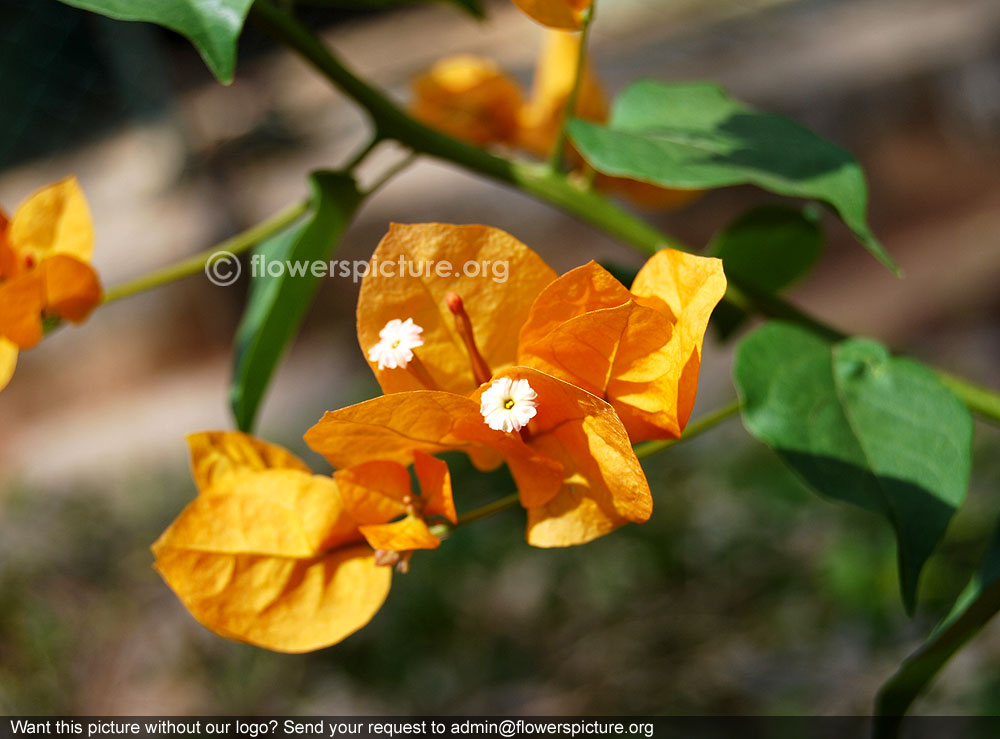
(396, 344)
(507, 405)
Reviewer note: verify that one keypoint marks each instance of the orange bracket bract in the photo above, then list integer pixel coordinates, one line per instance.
(45, 252)
(268, 553)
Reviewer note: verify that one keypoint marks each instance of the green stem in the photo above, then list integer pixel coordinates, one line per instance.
(695, 428)
(979, 399)
(196, 263)
(391, 121)
(391, 172)
(556, 157)
(361, 154)
(489, 509)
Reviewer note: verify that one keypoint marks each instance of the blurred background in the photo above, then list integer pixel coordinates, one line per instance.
(745, 594)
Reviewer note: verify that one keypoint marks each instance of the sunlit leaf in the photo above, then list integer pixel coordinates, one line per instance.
(861, 426)
(693, 135)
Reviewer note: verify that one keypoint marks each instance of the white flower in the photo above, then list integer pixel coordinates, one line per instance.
(508, 405)
(397, 341)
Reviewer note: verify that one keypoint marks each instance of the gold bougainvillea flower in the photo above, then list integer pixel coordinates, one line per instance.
(603, 485)
(271, 554)
(506, 344)
(391, 518)
(397, 427)
(45, 270)
(468, 97)
(565, 14)
(645, 194)
(640, 350)
(555, 72)
(496, 309)
(471, 98)
(572, 462)
(8, 361)
(542, 117)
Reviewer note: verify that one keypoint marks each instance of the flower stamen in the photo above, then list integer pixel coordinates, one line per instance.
(480, 369)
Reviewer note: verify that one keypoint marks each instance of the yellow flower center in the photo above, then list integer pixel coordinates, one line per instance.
(508, 404)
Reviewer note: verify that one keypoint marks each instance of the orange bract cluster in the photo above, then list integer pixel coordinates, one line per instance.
(471, 98)
(557, 377)
(610, 367)
(272, 554)
(564, 14)
(45, 270)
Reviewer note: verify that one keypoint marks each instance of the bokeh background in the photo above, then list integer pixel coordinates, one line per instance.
(745, 594)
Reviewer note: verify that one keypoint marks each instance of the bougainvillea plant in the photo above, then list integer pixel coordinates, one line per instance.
(568, 380)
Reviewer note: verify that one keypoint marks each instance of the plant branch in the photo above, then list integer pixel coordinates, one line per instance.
(981, 400)
(695, 428)
(196, 263)
(508, 501)
(356, 160)
(403, 164)
(391, 121)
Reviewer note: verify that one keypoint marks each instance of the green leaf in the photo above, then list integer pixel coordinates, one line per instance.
(861, 426)
(770, 247)
(693, 135)
(213, 26)
(472, 7)
(978, 603)
(765, 249)
(277, 304)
